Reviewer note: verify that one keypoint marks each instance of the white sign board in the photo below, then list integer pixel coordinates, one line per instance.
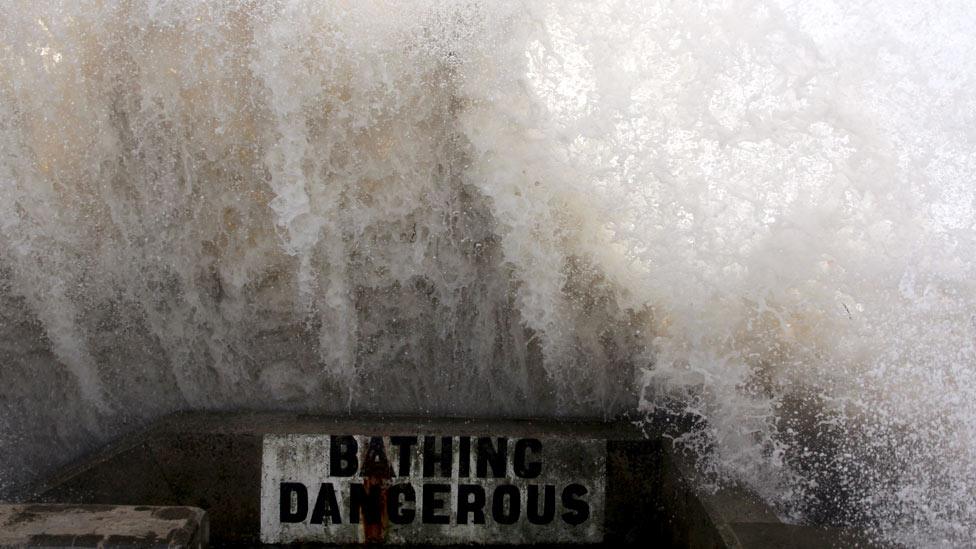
(432, 489)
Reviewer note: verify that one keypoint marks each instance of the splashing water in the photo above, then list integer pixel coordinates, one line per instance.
(757, 212)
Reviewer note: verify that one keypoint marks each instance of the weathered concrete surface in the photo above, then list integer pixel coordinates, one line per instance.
(214, 461)
(732, 517)
(102, 526)
(424, 489)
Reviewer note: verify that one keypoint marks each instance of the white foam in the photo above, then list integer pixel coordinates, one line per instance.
(763, 209)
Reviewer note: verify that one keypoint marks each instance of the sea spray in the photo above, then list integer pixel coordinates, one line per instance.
(757, 213)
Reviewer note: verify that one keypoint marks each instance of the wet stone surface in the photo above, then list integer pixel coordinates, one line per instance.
(279, 469)
(102, 526)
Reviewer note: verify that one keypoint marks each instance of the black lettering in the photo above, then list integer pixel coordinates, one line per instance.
(490, 454)
(579, 509)
(342, 456)
(467, 505)
(285, 514)
(404, 443)
(326, 504)
(375, 463)
(548, 504)
(506, 514)
(523, 469)
(432, 503)
(364, 503)
(446, 457)
(464, 457)
(396, 512)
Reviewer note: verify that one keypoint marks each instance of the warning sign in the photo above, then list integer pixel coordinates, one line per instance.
(430, 489)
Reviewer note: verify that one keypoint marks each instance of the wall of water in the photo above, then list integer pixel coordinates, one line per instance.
(757, 212)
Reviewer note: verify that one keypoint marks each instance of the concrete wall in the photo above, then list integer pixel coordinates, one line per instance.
(213, 461)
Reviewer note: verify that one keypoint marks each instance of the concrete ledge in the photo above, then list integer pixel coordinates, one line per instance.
(102, 526)
(213, 461)
(735, 518)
